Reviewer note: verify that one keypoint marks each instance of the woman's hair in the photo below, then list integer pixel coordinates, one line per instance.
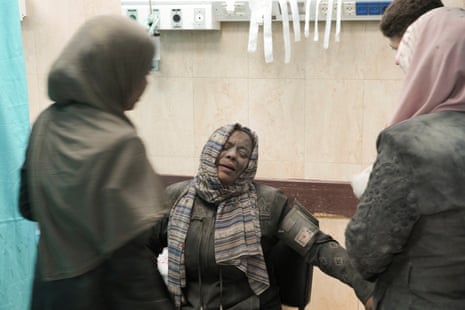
(400, 14)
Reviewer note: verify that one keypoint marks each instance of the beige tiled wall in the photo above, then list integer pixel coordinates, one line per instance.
(317, 117)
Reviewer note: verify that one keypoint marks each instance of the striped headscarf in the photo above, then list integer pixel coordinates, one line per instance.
(237, 225)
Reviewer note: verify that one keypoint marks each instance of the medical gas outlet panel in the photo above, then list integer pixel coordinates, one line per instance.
(172, 16)
(350, 10)
(208, 15)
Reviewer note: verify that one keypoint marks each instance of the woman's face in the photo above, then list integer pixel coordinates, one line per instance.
(234, 157)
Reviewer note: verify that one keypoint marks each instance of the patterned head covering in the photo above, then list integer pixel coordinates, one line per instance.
(237, 226)
(432, 55)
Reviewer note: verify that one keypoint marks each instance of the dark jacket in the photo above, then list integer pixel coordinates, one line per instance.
(408, 233)
(209, 284)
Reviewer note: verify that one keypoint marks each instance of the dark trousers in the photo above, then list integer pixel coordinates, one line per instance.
(128, 280)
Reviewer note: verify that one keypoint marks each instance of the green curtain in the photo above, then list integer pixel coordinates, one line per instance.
(17, 235)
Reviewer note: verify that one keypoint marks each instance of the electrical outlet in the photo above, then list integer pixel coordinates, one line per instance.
(348, 8)
(176, 18)
(323, 10)
(199, 16)
(132, 13)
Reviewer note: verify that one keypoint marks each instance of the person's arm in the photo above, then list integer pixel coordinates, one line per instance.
(24, 203)
(159, 235)
(385, 216)
(300, 230)
(332, 259)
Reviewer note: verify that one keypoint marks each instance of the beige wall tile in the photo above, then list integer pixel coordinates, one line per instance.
(176, 54)
(175, 165)
(276, 114)
(38, 98)
(280, 169)
(342, 60)
(456, 3)
(333, 121)
(379, 100)
(222, 53)
(378, 57)
(29, 45)
(218, 102)
(278, 68)
(33, 94)
(164, 117)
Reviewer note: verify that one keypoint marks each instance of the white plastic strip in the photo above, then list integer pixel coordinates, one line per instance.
(267, 32)
(286, 34)
(256, 19)
(230, 6)
(156, 39)
(338, 21)
(295, 19)
(329, 16)
(307, 18)
(253, 34)
(317, 10)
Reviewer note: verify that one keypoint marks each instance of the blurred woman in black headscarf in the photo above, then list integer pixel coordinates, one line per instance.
(87, 180)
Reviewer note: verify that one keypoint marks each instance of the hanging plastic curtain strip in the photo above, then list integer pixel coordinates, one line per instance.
(253, 34)
(256, 19)
(307, 18)
(230, 6)
(286, 34)
(295, 19)
(338, 21)
(329, 16)
(315, 30)
(267, 33)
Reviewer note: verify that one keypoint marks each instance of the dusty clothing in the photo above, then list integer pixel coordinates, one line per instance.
(86, 178)
(237, 227)
(91, 187)
(210, 285)
(124, 281)
(408, 232)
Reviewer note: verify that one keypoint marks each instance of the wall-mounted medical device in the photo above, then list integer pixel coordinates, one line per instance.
(351, 10)
(208, 15)
(173, 15)
(204, 15)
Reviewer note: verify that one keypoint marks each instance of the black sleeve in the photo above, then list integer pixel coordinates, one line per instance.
(300, 230)
(159, 235)
(24, 202)
(332, 259)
